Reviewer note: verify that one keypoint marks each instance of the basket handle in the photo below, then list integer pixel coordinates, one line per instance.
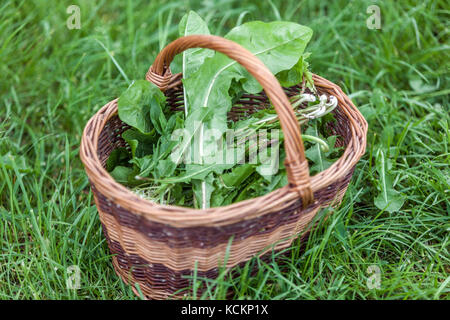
(296, 163)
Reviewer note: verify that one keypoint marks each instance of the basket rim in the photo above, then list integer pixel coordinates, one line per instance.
(179, 216)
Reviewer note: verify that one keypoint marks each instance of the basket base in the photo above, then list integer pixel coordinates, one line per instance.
(163, 293)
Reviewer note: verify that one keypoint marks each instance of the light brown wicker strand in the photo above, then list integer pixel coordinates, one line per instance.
(296, 163)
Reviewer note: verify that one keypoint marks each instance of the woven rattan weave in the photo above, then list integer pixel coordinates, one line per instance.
(156, 245)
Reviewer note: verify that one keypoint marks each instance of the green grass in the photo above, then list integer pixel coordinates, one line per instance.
(52, 80)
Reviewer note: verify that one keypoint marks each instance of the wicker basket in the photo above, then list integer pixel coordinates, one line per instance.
(159, 246)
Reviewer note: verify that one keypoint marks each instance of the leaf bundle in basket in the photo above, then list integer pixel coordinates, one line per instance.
(192, 167)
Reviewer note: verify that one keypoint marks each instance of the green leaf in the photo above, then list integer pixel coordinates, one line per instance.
(140, 143)
(294, 76)
(193, 125)
(122, 174)
(190, 24)
(277, 182)
(135, 103)
(119, 156)
(197, 171)
(200, 173)
(223, 196)
(203, 190)
(238, 175)
(388, 199)
(278, 44)
(165, 168)
(9, 161)
(145, 165)
(157, 118)
(321, 160)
